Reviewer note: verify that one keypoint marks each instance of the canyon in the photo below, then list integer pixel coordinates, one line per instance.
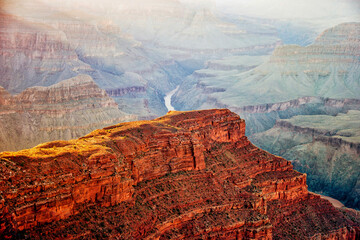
(185, 175)
(264, 116)
(43, 45)
(319, 79)
(326, 148)
(57, 49)
(327, 68)
(70, 67)
(137, 54)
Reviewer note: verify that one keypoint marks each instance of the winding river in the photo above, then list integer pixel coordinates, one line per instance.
(167, 99)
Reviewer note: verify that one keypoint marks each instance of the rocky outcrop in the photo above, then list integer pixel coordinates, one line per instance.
(324, 147)
(186, 175)
(64, 111)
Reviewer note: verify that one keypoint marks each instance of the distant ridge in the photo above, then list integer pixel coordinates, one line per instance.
(328, 68)
(66, 110)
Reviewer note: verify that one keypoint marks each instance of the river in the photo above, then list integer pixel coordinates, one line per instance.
(167, 99)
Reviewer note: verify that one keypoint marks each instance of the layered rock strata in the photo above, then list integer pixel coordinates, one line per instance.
(187, 175)
(42, 51)
(64, 111)
(327, 148)
(327, 68)
(34, 54)
(160, 42)
(262, 117)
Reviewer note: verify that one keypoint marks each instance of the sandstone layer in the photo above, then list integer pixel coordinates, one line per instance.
(187, 175)
(65, 110)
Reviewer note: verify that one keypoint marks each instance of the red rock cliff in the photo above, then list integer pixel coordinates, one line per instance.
(187, 175)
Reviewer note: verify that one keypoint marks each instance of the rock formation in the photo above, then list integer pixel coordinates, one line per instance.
(34, 55)
(264, 116)
(327, 148)
(322, 78)
(327, 68)
(66, 110)
(187, 175)
(150, 46)
(39, 52)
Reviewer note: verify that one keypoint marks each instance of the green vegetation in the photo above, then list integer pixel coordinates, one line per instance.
(332, 167)
(344, 126)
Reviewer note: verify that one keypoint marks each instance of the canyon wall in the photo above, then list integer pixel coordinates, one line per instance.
(262, 117)
(184, 175)
(44, 51)
(66, 110)
(327, 148)
(34, 54)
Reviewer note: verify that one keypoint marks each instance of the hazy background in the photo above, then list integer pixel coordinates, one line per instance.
(330, 11)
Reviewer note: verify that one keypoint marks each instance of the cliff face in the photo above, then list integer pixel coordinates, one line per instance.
(185, 175)
(44, 51)
(327, 148)
(262, 117)
(34, 54)
(64, 111)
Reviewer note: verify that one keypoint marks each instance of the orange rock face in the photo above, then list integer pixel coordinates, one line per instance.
(187, 175)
